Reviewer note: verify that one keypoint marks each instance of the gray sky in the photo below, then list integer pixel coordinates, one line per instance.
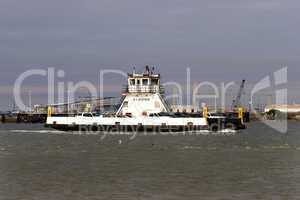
(220, 40)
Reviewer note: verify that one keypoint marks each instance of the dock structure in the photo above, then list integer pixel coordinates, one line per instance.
(39, 112)
(23, 117)
(285, 108)
(106, 104)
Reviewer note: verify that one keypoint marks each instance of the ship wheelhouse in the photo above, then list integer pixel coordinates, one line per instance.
(143, 83)
(142, 95)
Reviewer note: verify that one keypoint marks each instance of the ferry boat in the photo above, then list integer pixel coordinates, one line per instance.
(143, 108)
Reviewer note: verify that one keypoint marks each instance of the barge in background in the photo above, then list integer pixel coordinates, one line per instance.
(23, 117)
(143, 108)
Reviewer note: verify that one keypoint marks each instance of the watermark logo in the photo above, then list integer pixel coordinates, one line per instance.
(279, 79)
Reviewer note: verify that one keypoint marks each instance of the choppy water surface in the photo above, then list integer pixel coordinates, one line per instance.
(42, 164)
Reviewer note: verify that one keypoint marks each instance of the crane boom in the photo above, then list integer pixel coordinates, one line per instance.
(237, 101)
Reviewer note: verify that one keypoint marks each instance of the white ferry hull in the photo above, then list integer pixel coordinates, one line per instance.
(138, 124)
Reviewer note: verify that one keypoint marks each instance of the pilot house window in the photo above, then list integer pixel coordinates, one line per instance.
(154, 81)
(132, 81)
(145, 81)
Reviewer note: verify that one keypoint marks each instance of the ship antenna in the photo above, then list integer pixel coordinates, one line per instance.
(133, 70)
(147, 69)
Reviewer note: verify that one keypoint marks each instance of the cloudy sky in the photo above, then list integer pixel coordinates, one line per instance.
(220, 40)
